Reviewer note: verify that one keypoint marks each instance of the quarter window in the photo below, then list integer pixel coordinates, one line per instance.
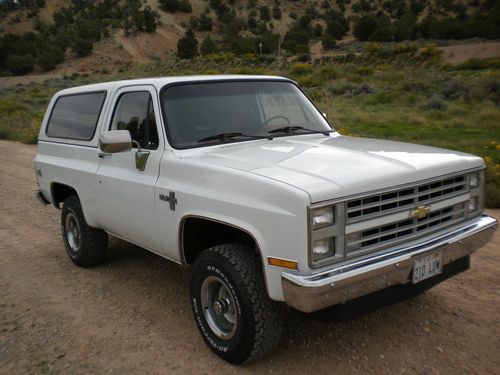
(135, 112)
(75, 116)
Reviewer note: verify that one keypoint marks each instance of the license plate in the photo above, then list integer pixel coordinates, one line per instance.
(427, 266)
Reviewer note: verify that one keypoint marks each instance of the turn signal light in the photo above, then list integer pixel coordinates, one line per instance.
(283, 263)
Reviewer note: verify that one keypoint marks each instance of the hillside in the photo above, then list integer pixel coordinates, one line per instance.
(66, 36)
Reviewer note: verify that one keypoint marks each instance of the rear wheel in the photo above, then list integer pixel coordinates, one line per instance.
(86, 246)
(236, 318)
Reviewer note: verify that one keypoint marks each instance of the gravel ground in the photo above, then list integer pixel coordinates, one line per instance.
(132, 315)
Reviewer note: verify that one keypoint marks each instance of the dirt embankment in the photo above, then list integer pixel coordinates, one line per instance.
(132, 315)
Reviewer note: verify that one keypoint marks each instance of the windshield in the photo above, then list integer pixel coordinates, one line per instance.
(198, 114)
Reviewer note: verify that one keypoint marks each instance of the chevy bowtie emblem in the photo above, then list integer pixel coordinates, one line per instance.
(420, 212)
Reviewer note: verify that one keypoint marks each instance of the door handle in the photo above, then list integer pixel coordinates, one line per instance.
(103, 155)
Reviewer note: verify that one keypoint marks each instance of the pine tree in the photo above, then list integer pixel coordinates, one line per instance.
(208, 46)
(187, 47)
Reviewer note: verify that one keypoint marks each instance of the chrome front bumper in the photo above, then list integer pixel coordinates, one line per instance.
(338, 285)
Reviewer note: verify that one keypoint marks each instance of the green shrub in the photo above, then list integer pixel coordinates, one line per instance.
(479, 64)
(365, 26)
(301, 68)
(349, 90)
(328, 72)
(187, 47)
(363, 89)
(435, 103)
(306, 80)
(277, 10)
(342, 89)
(249, 71)
(455, 89)
(431, 51)
(303, 57)
(208, 46)
(46, 61)
(373, 47)
(8, 107)
(184, 6)
(20, 64)
(384, 97)
(405, 48)
(82, 47)
(491, 155)
(364, 71)
(328, 42)
(382, 34)
(169, 5)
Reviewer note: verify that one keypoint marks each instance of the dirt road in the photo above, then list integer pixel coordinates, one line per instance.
(132, 315)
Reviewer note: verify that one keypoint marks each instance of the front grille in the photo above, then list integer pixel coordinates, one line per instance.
(405, 229)
(409, 197)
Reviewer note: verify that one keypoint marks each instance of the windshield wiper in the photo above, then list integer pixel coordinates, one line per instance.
(291, 129)
(223, 136)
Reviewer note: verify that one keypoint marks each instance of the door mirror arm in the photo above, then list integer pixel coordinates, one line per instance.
(141, 157)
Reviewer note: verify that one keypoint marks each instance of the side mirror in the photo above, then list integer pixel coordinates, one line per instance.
(114, 141)
(324, 114)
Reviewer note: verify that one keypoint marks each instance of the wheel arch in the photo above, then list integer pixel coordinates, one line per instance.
(188, 257)
(189, 223)
(60, 191)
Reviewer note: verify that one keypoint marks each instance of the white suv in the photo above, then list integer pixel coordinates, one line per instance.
(243, 179)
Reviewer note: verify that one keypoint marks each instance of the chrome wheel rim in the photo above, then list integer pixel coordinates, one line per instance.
(219, 307)
(72, 231)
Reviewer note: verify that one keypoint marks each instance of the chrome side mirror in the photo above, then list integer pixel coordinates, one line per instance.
(114, 141)
(141, 157)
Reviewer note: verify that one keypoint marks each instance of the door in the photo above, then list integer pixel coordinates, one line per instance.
(127, 193)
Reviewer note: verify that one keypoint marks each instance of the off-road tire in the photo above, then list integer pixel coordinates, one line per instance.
(93, 242)
(260, 320)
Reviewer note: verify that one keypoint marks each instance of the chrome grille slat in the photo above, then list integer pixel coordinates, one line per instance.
(404, 230)
(381, 204)
(446, 187)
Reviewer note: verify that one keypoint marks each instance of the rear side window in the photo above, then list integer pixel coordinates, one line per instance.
(75, 116)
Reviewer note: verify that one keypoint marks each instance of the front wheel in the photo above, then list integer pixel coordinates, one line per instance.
(236, 318)
(86, 246)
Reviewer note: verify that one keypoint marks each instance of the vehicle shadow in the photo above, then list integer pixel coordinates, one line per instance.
(129, 256)
(386, 297)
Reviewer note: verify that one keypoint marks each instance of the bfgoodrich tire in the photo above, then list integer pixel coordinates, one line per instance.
(236, 318)
(86, 246)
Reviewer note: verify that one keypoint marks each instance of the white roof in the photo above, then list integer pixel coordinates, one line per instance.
(159, 82)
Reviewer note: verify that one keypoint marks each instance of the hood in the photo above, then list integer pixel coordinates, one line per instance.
(338, 166)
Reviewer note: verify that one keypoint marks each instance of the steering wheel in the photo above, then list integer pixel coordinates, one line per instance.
(267, 121)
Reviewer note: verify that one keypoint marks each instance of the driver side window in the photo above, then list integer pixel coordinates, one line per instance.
(134, 112)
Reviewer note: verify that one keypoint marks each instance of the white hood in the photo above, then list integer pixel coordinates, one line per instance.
(338, 166)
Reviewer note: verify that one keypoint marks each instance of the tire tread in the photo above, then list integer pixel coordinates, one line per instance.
(268, 313)
(94, 241)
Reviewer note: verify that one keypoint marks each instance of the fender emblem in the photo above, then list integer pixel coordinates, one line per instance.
(169, 198)
(420, 212)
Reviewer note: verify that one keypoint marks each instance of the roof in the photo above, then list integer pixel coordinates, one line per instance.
(159, 82)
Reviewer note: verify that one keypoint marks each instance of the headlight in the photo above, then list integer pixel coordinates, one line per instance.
(474, 180)
(323, 248)
(473, 204)
(322, 217)
(326, 234)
